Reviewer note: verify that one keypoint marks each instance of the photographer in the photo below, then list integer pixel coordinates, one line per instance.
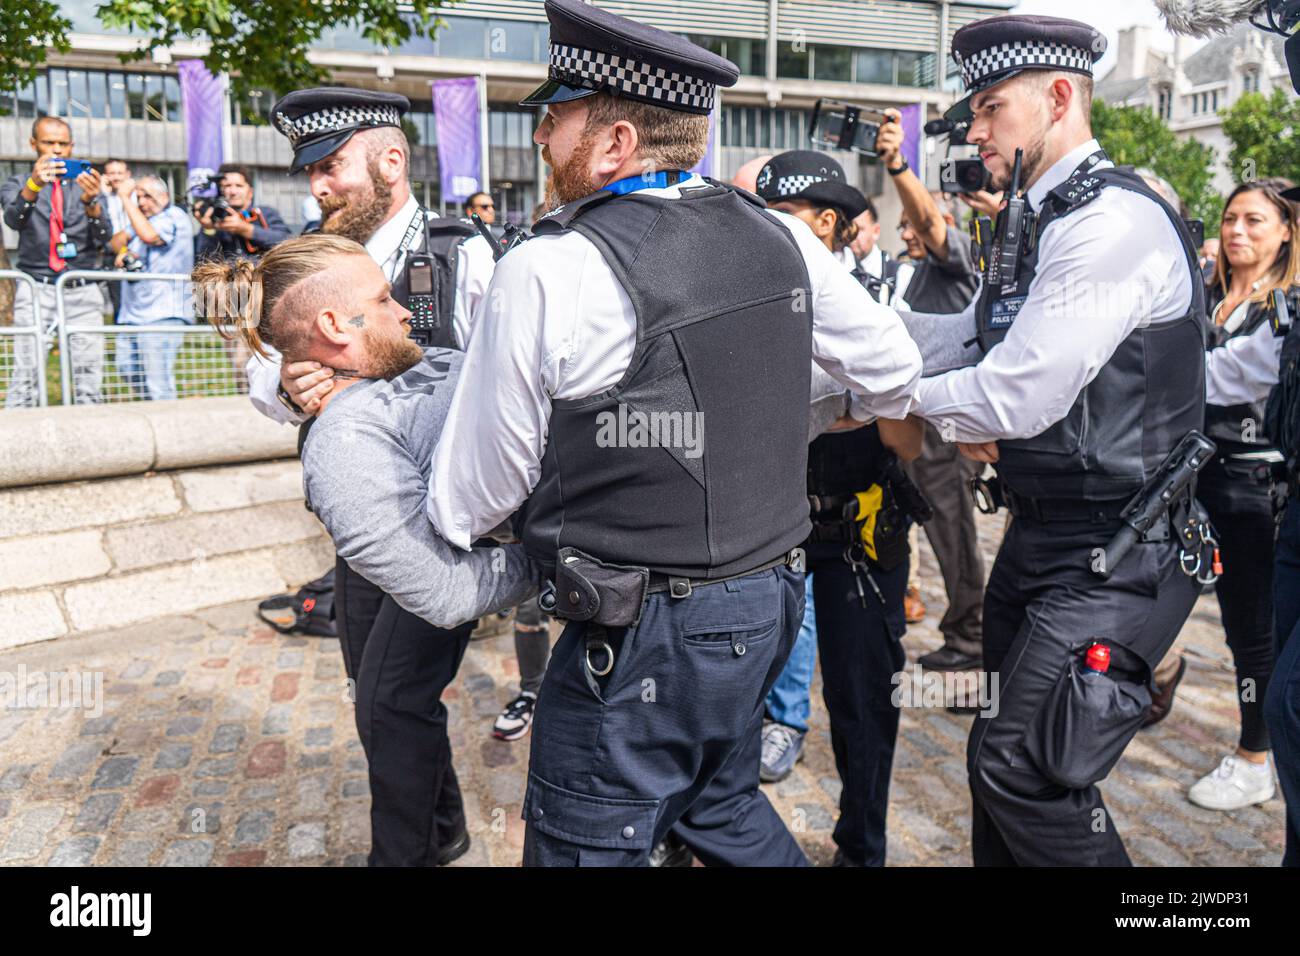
(158, 239)
(59, 228)
(943, 278)
(232, 227)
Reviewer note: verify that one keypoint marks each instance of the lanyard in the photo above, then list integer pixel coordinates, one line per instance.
(660, 180)
(411, 232)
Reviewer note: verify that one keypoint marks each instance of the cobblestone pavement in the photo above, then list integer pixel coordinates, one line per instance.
(219, 742)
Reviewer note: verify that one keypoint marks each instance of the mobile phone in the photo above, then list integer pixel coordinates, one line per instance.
(72, 168)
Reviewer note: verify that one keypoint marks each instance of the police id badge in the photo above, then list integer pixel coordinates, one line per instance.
(1004, 312)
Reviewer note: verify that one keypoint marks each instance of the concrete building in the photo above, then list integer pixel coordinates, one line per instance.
(1188, 88)
(790, 52)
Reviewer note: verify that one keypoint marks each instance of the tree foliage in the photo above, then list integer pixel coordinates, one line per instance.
(1135, 136)
(1265, 136)
(31, 28)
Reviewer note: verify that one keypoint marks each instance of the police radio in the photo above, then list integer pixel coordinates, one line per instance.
(422, 298)
(1006, 261)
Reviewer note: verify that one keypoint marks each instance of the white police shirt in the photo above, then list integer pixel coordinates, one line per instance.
(557, 325)
(474, 265)
(1110, 267)
(1244, 369)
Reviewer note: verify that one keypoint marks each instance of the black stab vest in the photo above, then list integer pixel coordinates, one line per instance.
(1235, 428)
(717, 339)
(1143, 400)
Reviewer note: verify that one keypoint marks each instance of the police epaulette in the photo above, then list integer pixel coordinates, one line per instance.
(1077, 190)
(559, 219)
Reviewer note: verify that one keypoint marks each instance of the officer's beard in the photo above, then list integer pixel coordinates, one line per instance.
(357, 215)
(1030, 164)
(571, 180)
(389, 353)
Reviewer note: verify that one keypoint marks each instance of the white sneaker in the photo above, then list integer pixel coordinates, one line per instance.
(1234, 784)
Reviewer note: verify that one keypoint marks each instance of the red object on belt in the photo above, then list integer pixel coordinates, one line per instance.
(1099, 658)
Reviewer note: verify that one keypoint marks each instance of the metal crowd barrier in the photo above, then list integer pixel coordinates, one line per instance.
(22, 351)
(126, 363)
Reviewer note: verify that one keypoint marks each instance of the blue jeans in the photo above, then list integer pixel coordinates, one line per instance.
(788, 700)
(147, 362)
(1282, 702)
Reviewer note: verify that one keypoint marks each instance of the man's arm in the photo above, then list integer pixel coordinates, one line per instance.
(1093, 290)
(16, 207)
(275, 230)
(140, 224)
(263, 388)
(1244, 369)
(918, 205)
(861, 343)
(375, 516)
(474, 268)
(946, 341)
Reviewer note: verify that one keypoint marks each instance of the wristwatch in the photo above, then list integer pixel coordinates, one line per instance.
(899, 171)
(286, 401)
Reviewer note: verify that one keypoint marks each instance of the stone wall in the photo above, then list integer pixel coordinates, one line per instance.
(83, 553)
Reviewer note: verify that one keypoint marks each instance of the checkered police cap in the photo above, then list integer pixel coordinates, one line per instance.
(319, 121)
(594, 50)
(998, 48)
(810, 175)
(597, 70)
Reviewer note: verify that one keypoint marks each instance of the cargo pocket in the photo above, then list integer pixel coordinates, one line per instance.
(586, 821)
(1085, 723)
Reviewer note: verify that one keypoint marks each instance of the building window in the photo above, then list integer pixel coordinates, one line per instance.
(463, 37)
(749, 55)
(792, 63)
(834, 63)
(915, 69)
(873, 66)
(1164, 102)
(512, 40)
(1250, 81)
(1214, 101)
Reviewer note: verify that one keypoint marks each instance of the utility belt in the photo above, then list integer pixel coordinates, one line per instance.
(587, 589)
(52, 280)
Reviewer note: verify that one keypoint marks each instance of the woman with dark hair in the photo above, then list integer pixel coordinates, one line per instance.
(857, 607)
(1260, 253)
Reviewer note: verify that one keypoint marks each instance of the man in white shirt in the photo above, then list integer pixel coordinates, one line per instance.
(637, 308)
(1088, 372)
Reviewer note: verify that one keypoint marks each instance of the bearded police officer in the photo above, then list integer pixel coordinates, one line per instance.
(642, 368)
(1090, 371)
(1265, 366)
(352, 148)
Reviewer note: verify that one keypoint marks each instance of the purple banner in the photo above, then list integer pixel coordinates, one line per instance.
(455, 113)
(911, 121)
(707, 166)
(202, 102)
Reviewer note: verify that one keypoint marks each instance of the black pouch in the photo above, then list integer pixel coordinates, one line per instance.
(1085, 723)
(591, 590)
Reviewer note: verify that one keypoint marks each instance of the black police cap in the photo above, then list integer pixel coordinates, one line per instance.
(812, 176)
(319, 121)
(594, 50)
(998, 48)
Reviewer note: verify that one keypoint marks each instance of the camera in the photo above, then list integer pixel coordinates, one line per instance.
(206, 195)
(837, 125)
(963, 176)
(132, 262)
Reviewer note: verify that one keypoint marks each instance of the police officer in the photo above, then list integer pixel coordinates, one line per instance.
(644, 373)
(351, 145)
(1090, 334)
(858, 584)
(1265, 366)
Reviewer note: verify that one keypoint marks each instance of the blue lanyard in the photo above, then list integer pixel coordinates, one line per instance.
(659, 180)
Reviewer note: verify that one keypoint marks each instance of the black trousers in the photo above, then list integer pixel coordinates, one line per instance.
(399, 665)
(1036, 755)
(670, 738)
(943, 475)
(860, 653)
(1241, 509)
(1282, 705)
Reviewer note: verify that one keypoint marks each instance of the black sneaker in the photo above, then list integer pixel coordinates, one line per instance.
(516, 719)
